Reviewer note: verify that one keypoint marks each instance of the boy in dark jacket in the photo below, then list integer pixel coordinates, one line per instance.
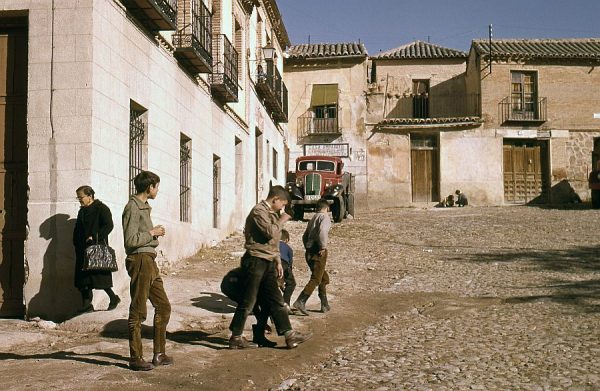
(315, 240)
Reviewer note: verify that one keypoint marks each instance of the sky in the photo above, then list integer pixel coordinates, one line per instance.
(386, 24)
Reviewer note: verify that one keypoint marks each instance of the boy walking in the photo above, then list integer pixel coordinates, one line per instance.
(315, 242)
(287, 258)
(141, 239)
(261, 266)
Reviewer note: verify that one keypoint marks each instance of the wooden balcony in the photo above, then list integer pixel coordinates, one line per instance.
(516, 111)
(193, 39)
(223, 80)
(154, 14)
(272, 90)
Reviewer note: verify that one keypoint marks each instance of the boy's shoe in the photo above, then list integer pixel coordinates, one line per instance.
(295, 338)
(113, 303)
(258, 337)
(324, 304)
(161, 359)
(139, 364)
(240, 342)
(300, 303)
(288, 309)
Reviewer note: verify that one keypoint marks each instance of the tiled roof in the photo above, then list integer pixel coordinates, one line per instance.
(325, 50)
(540, 48)
(418, 50)
(420, 122)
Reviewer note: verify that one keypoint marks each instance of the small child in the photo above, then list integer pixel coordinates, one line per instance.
(315, 240)
(287, 258)
(461, 198)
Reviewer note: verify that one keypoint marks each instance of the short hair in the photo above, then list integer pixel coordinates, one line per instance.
(87, 190)
(285, 235)
(322, 204)
(144, 179)
(457, 192)
(279, 192)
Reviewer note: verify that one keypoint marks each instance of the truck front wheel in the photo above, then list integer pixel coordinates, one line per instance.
(298, 212)
(338, 209)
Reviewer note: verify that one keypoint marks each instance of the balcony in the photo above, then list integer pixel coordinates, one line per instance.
(193, 40)
(518, 111)
(272, 90)
(223, 80)
(154, 14)
(308, 125)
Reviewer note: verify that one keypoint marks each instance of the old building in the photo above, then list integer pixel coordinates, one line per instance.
(95, 91)
(327, 105)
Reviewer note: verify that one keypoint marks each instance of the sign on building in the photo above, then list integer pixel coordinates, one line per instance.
(339, 150)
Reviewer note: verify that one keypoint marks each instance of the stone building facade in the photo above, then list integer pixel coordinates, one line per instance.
(112, 87)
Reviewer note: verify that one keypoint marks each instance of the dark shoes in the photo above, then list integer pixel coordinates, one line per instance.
(161, 359)
(258, 337)
(295, 338)
(300, 303)
(240, 342)
(139, 364)
(324, 304)
(113, 303)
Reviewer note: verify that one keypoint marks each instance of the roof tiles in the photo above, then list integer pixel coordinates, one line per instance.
(327, 50)
(420, 50)
(541, 48)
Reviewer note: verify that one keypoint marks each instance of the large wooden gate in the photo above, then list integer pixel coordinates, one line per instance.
(424, 169)
(13, 166)
(524, 171)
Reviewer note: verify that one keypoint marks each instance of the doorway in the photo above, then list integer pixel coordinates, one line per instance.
(424, 168)
(525, 168)
(13, 164)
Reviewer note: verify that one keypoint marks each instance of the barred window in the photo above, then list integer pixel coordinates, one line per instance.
(274, 163)
(216, 190)
(138, 142)
(185, 178)
(239, 165)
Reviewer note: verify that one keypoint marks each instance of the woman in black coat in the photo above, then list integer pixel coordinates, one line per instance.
(94, 223)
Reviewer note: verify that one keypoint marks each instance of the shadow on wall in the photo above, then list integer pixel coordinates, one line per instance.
(561, 196)
(57, 298)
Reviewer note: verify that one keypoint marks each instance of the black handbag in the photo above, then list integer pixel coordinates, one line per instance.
(100, 257)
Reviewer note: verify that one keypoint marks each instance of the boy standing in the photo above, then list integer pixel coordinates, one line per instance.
(315, 242)
(287, 258)
(141, 239)
(261, 266)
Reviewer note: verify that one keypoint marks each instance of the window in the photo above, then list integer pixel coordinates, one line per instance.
(239, 165)
(274, 163)
(216, 190)
(138, 142)
(309, 165)
(185, 178)
(238, 43)
(420, 99)
(324, 105)
(523, 92)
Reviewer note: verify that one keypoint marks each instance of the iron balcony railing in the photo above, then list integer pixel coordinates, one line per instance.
(224, 78)
(308, 125)
(519, 111)
(433, 105)
(193, 39)
(272, 90)
(154, 14)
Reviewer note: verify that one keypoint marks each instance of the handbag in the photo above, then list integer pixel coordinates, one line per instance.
(100, 257)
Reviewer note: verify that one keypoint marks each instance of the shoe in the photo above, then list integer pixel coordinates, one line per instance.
(113, 303)
(139, 364)
(324, 304)
(300, 303)
(295, 338)
(258, 337)
(161, 359)
(240, 342)
(289, 310)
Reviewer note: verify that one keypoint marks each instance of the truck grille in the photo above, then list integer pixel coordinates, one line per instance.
(312, 184)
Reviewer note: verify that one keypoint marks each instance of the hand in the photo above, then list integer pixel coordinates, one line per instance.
(159, 230)
(284, 217)
(322, 251)
(279, 270)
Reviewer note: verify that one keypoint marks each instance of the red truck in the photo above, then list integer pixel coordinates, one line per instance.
(322, 177)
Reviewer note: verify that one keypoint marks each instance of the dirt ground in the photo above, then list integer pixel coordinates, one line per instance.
(451, 298)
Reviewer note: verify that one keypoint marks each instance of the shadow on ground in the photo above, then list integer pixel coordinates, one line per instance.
(89, 358)
(577, 260)
(214, 302)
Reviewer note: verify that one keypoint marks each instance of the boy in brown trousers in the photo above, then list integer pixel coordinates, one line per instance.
(141, 239)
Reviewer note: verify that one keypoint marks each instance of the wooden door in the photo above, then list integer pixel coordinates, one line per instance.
(523, 172)
(424, 169)
(13, 168)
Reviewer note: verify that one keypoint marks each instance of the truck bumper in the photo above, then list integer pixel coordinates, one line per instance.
(308, 202)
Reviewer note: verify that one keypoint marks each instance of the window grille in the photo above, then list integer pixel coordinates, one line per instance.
(274, 163)
(216, 190)
(185, 178)
(137, 136)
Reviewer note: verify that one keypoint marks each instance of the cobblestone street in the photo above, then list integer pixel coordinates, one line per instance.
(441, 299)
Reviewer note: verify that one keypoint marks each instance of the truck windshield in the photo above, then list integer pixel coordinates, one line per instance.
(319, 165)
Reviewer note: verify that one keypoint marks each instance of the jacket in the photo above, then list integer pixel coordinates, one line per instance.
(136, 228)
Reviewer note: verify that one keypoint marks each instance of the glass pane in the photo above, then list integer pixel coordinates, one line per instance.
(516, 77)
(516, 87)
(306, 165)
(325, 166)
